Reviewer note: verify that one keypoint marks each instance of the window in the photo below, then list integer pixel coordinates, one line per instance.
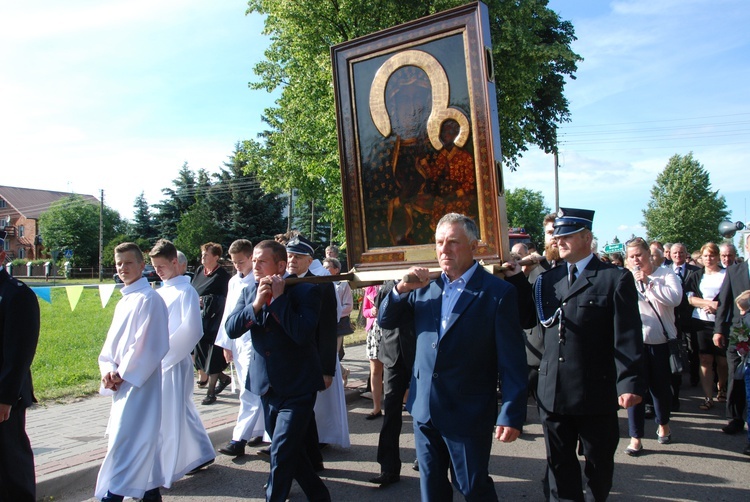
(21, 230)
(21, 252)
(2, 202)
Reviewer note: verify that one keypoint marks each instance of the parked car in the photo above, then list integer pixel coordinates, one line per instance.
(149, 273)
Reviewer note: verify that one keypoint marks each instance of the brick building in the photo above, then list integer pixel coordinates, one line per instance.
(20, 209)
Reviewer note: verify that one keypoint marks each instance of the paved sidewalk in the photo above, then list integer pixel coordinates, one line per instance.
(702, 464)
(69, 442)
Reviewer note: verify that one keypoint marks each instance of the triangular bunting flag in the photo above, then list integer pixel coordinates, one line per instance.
(43, 293)
(74, 294)
(105, 292)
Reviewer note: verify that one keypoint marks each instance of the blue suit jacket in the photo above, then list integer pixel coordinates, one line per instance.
(457, 376)
(285, 354)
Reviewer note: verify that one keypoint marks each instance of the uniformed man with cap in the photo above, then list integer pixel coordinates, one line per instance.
(19, 334)
(591, 363)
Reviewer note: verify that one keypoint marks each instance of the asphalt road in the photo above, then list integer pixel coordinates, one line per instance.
(702, 464)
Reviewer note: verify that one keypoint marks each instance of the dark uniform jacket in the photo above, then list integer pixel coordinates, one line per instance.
(596, 355)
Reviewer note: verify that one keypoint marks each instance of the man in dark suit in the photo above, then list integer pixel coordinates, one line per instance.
(299, 252)
(591, 361)
(683, 320)
(285, 368)
(736, 280)
(468, 339)
(19, 333)
(397, 348)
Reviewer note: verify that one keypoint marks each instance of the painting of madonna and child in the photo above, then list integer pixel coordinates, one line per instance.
(416, 135)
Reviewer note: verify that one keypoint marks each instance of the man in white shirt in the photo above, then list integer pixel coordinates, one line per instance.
(250, 422)
(130, 364)
(186, 446)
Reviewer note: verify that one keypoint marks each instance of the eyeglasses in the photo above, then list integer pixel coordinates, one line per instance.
(636, 241)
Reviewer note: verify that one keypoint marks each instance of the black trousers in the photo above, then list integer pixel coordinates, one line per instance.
(735, 388)
(599, 436)
(287, 419)
(395, 381)
(17, 478)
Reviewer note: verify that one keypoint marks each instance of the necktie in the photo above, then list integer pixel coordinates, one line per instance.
(679, 274)
(572, 275)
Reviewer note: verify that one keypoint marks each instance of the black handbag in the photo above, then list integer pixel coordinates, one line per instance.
(678, 356)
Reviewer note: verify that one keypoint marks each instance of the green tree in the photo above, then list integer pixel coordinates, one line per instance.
(72, 223)
(526, 208)
(196, 227)
(683, 208)
(108, 251)
(241, 207)
(532, 58)
(143, 225)
(179, 200)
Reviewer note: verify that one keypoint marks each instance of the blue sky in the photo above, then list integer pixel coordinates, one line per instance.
(116, 95)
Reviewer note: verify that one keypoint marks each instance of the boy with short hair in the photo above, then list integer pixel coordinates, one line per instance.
(130, 364)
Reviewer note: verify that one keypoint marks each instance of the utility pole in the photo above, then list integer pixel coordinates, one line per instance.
(101, 231)
(557, 183)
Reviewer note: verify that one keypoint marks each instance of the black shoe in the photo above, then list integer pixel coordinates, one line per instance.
(233, 448)
(222, 385)
(255, 441)
(649, 411)
(111, 497)
(209, 399)
(746, 451)
(373, 416)
(151, 496)
(415, 465)
(203, 465)
(733, 427)
(322, 446)
(386, 479)
(264, 452)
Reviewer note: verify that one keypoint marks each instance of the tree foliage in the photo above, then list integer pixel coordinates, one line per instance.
(683, 208)
(532, 58)
(241, 207)
(196, 227)
(72, 223)
(526, 208)
(108, 252)
(178, 200)
(143, 226)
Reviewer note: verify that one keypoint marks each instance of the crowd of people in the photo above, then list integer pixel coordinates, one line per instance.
(597, 333)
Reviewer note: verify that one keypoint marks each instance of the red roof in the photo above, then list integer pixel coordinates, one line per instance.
(31, 203)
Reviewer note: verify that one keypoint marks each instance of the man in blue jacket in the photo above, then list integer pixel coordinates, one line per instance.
(285, 368)
(469, 338)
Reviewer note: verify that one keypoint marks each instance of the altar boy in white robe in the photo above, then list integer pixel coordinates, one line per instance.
(250, 422)
(130, 364)
(185, 445)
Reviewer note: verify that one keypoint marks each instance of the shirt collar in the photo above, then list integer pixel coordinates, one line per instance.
(581, 264)
(464, 277)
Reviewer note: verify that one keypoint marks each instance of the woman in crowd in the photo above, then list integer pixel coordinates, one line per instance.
(702, 288)
(211, 282)
(659, 292)
(370, 311)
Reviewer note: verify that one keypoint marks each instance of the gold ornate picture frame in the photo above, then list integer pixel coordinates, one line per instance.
(418, 138)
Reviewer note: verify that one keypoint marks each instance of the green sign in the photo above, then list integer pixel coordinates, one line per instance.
(614, 248)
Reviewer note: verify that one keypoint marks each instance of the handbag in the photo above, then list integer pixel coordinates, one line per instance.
(678, 356)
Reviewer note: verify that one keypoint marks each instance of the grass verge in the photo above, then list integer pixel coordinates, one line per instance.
(65, 365)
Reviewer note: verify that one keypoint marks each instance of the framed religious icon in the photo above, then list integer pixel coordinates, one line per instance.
(418, 138)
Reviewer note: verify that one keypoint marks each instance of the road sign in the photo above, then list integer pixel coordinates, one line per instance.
(614, 248)
(68, 254)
